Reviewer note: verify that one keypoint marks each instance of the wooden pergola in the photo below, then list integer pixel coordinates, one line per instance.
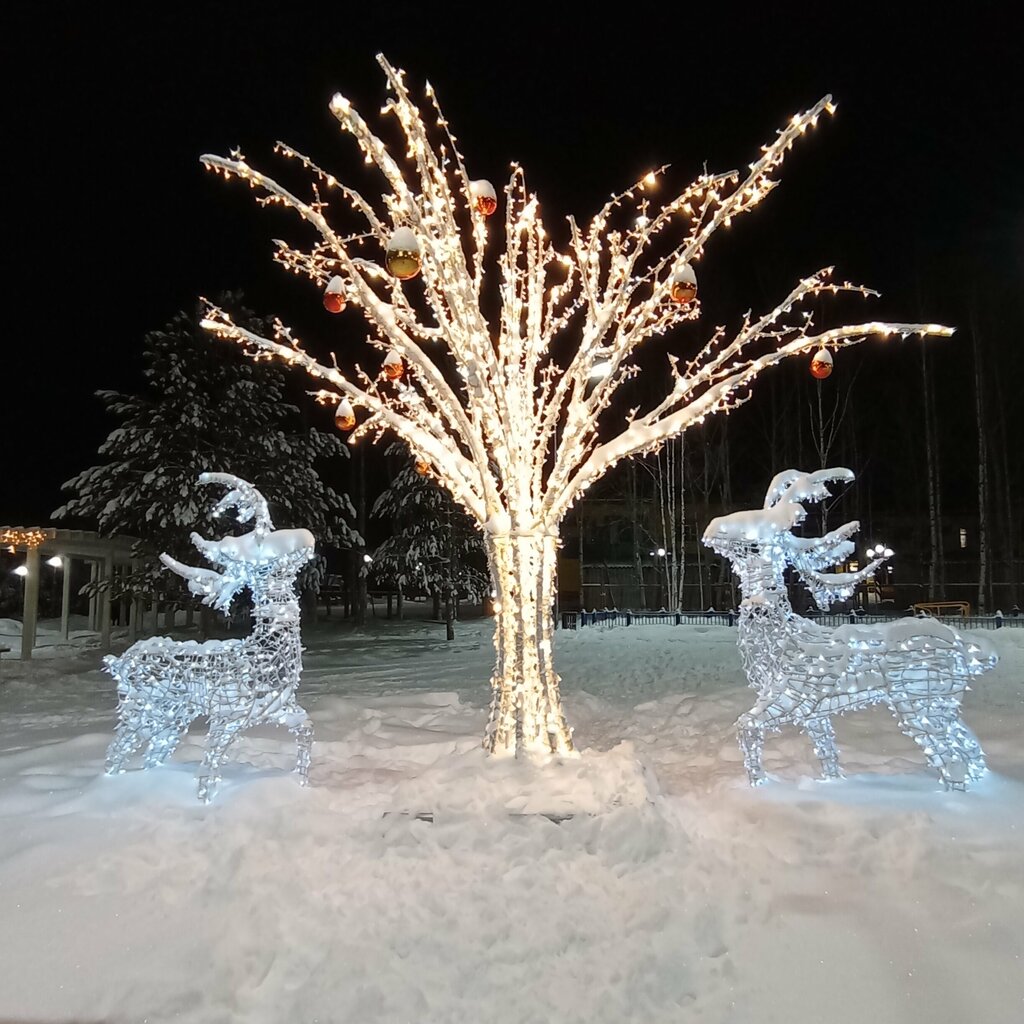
(106, 556)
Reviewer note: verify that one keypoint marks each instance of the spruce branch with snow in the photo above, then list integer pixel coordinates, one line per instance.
(205, 408)
(434, 546)
(514, 430)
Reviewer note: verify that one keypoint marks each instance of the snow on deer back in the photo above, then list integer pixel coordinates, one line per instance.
(804, 673)
(165, 684)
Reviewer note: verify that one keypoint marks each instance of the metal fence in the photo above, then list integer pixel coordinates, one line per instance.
(614, 617)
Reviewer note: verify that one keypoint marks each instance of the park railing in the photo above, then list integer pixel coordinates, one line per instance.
(614, 617)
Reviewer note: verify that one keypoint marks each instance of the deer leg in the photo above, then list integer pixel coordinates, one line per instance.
(163, 741)
(222, 735)
(130, 735)
(304, 743)
(968, 749)
(931, 726)
(750, 733)
(823, 737)
(166, 733)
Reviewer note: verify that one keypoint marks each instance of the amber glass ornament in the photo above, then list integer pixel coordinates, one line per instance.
(345, 416)
(393, 366)
(683, 285)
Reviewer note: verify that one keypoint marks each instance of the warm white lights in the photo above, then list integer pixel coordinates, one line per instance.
(164, 685)
(509, 429)
(56, 561)
(804, 673)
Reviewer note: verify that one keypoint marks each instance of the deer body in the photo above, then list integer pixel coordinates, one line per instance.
(164, 685)
(804, 673)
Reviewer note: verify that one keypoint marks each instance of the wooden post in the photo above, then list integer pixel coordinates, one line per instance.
(65, 598)
(124, 613)
(30, 604)
(108, 576)
(134, 609)
(94, 572)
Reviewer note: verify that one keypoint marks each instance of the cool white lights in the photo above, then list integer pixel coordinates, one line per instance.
(804, 673)
(164, 685)
(21, 570)
(56, 561)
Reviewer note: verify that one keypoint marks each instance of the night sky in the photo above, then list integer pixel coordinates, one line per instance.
(915, 187)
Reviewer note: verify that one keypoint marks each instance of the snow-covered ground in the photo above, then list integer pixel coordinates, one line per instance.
(675, 893)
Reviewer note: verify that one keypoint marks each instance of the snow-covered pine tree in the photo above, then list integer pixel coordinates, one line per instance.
(205, 408)
(434, 547)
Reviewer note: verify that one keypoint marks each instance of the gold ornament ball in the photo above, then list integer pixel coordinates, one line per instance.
(403, 256)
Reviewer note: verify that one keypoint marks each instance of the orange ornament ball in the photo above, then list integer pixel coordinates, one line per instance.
(423, 468)
(334, 295)
(485, 199)
(821, 364)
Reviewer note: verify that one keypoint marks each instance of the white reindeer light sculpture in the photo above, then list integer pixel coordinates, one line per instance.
(164, 685)
(804, 673)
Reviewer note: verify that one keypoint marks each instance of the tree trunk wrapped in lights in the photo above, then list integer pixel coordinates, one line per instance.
(512, 431)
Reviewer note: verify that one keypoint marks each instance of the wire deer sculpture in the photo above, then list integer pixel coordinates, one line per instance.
(164, 685)
(804, 673)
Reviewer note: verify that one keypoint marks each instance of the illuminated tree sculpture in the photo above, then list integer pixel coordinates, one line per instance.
(506, 409)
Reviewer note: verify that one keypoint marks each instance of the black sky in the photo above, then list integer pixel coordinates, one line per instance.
(916, 187)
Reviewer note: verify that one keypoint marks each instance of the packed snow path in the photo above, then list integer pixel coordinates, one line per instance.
(689, 897)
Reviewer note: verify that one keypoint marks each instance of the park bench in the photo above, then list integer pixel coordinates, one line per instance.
(943, 607)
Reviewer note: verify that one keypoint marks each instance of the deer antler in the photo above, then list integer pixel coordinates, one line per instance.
(804, 486)
(212, 588)
(245, 498)
(810, 555)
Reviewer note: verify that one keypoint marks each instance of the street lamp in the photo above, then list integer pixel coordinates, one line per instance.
(881, 551)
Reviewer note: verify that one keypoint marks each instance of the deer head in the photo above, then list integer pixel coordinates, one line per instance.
(760, 543)
(252, 560)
